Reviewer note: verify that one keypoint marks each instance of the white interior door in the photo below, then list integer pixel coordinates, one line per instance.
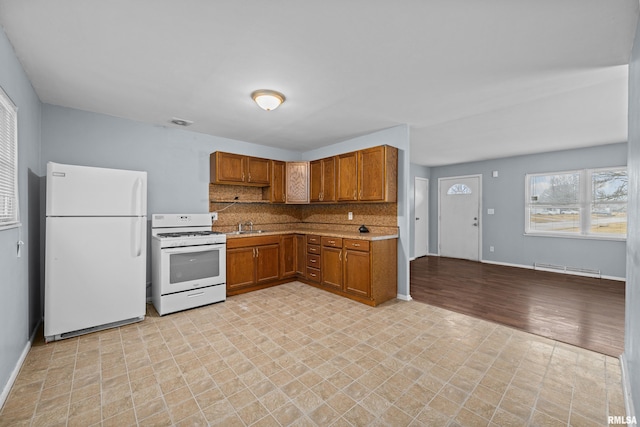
(421, 202)
(459, 222)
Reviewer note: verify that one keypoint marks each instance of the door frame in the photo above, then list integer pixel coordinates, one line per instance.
(480, 216)
(415, 213)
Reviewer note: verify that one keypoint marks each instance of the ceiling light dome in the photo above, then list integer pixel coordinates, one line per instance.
(268, 99)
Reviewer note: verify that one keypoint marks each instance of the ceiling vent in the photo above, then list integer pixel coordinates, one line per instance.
(181, 122)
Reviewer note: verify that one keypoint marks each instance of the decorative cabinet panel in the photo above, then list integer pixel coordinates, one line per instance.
(323, 180)
(297, 179)
(236, 169)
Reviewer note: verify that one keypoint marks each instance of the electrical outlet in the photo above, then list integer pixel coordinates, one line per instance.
(491, 249)
(350, 216)
(214, 216)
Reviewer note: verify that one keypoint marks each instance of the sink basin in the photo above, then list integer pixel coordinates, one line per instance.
(247, 232)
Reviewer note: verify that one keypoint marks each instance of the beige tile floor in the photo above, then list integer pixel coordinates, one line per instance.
(296, 355)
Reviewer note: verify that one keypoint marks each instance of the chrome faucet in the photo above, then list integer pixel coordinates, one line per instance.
(241, 225)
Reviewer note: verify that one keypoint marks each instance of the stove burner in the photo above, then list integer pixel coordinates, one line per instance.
(188, 234)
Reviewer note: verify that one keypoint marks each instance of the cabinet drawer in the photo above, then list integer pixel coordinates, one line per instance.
(313, 249)
(314, 240)
(313, 274)
(334, 242)
(356, 245)
(313, 261)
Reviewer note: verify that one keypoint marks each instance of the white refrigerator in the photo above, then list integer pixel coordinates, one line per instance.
(95, 249)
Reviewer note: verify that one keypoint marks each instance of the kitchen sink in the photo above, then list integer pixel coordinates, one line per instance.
(247, 232)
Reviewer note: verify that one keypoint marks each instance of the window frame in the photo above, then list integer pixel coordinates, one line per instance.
(7, 103)
(584, 204)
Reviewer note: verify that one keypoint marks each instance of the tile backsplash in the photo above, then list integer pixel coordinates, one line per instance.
(378, 217)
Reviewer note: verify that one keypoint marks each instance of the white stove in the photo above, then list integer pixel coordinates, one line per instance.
(188, 262)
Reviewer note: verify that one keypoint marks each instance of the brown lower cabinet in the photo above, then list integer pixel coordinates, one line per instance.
(252, 263)
(363, 270)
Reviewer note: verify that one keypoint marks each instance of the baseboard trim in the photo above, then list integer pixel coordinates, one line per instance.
(626, 388)
(404, 297)
(16, 370)
(530, 267)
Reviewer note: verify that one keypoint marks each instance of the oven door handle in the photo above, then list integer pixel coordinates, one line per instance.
(192, 249)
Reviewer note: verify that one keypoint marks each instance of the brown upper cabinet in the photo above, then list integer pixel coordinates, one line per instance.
(323, 180)
(236, 169)
(277, 192)
(369, 175)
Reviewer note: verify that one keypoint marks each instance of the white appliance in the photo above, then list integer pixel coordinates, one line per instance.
(95, 252)
(188, 262)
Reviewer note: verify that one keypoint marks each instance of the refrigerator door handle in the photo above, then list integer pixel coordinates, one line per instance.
(138, 237)
(139, 197)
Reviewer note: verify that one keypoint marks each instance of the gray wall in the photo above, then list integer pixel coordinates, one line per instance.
(418, 171)
(506, 194)
(397, 136)
(176, 160)
(632, 314)
(20, 300)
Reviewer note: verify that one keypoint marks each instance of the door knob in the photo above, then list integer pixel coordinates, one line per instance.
(417, 219)
(475, 224)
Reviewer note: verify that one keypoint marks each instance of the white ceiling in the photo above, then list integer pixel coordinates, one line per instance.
(473, 79)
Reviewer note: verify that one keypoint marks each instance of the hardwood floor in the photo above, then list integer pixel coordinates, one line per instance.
(585, 312)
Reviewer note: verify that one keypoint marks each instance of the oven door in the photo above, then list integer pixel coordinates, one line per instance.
(192, 267)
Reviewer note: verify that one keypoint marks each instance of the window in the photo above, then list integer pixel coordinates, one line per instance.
(8, 162)
(458, 189)
(589, 202)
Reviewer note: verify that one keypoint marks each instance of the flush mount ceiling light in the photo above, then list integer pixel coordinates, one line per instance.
(268, 99)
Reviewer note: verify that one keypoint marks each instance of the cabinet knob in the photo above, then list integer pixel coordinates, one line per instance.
(357, 245)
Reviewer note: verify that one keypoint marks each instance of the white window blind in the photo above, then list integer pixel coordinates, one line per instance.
(8, 162)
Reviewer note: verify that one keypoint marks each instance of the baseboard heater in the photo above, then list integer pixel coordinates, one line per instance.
(567, 270)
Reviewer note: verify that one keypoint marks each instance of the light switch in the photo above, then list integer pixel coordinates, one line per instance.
(490, 211)
(494, 174)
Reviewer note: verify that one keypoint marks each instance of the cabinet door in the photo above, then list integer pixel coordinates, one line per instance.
(329, 179)
(357, 277)
(258, 171)
(278, 181)
(268, 263)
(288, 255)
(297, 182)
(331, 259)
(241, 269)
(315, 176)
(229, 168)
(347, 176)
(301, 254)
(371, 174)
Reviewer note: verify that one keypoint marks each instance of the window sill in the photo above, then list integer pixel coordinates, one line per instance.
(577, 236)
(10, 226)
